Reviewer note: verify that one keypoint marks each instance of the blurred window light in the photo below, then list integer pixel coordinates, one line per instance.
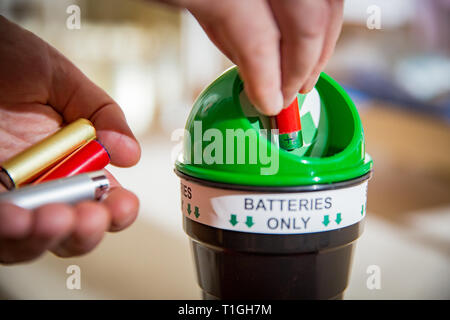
(429, 73)
(134, 91)
(201, 60)
(110, 42)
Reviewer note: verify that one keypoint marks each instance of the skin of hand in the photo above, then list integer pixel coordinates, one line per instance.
(40, 92)
(280, 46)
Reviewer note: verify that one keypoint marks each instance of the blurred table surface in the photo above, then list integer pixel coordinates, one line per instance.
(407, 230)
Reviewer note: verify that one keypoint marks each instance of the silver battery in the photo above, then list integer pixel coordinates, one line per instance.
(87, 186)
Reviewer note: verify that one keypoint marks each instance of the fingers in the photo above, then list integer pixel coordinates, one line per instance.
(15, 222)
(65, 230)
(331, 36)
(28, 237)
(110, 124)
(92, 221)
(302, 25)
(75, 96)
(280, 46)
(115, 213)
(123, 206)
(217, 37)
(247, 32)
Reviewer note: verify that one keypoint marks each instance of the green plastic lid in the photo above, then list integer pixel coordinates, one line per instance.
(227, 141)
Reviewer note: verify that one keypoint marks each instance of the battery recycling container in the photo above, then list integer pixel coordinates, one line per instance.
(263, 222)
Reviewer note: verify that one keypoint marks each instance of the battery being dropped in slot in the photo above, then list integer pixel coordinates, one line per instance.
(87, 186)
(289, 126)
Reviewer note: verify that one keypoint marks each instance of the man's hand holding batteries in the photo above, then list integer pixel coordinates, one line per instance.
(41, 91)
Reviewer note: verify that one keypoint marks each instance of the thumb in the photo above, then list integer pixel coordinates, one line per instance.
(74, 96)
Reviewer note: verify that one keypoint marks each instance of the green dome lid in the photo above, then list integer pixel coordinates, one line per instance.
(223, 141)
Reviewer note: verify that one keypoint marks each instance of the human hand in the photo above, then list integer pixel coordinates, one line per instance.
(280, 46)
(42, 90)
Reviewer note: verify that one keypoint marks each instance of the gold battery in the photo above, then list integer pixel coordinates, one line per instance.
(33, 161)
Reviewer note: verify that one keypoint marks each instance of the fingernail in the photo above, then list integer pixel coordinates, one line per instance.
(309, 85)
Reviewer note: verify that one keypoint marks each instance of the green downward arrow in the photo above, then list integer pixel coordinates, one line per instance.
(326, 220)
(338, 218)
(189, 209)
(197, 214)
(249, 221)
(233, 220)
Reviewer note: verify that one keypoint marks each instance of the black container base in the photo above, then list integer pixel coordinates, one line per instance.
(228, 274)
(236, 265)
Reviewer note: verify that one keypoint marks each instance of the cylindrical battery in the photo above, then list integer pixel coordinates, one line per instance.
(289, 126)
(31, 162)
(91, 157)
(88, 186)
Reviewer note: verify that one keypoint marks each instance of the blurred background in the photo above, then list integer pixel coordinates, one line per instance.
(155, 59)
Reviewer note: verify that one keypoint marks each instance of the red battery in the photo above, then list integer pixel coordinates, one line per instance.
(91, 157)
(288, 120)
(289, 127)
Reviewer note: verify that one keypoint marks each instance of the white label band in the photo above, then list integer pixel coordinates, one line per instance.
(273, 213)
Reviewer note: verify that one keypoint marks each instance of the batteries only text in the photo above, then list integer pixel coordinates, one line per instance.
(287, 205)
